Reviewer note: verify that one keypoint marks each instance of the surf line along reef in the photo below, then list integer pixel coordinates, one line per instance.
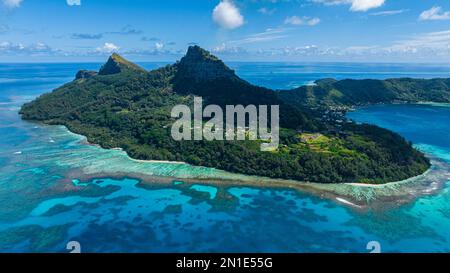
(125, 106)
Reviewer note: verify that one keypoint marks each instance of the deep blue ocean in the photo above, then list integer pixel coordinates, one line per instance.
(44, 205)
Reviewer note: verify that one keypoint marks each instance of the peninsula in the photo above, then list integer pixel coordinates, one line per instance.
(123, 105)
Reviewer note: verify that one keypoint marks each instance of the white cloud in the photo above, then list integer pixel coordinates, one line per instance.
(435, 40)
(7, 46)
(269, 34)
(4, 29)
(159, 46)
(293, 20)
(313, 21)
(225, 49)
(425, 47)
(331, 2)
(365, 5)
(12, 3)
(74, 2)
(266, 11)
(389, 12)
(356, 5)
(431, 46)
(108, 48)
(26, 50)
(227, 15)
(435, 13)
(300, 21)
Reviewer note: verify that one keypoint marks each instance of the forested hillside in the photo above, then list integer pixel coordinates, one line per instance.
(125, 106)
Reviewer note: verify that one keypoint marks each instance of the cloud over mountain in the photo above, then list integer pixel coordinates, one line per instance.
(108, 48)
(227, 15)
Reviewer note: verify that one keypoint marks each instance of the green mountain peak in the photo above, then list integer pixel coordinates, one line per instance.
(196, 52)
(117, 64)
(200, 65)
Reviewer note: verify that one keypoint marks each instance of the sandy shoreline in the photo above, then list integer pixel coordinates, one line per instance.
(437, 104)
(159, 161)
(84, 139)
(390, 183)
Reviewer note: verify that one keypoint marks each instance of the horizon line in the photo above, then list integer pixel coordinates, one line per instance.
(231, 61)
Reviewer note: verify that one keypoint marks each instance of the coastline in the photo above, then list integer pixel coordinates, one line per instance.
(391, 183)
(436, 104)
(355, 184)
(427, 103)
(353, 195)
(350, 195)
(121, 150)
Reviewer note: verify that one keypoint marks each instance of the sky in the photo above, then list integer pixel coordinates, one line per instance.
(236, 30)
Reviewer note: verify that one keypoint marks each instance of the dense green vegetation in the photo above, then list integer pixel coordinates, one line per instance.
(330, 92)
(125, 106)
